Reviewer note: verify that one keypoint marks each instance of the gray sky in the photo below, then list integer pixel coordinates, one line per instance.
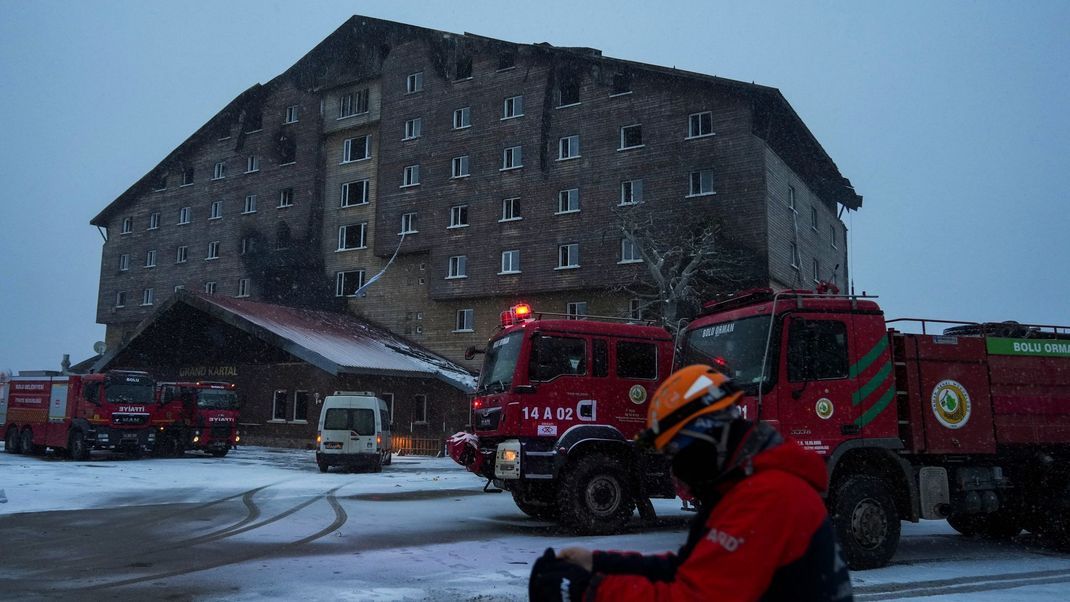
(950, 118)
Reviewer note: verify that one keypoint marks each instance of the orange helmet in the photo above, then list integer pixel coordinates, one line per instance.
(687, 394)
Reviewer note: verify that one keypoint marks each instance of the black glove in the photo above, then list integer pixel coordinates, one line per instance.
(556, 580)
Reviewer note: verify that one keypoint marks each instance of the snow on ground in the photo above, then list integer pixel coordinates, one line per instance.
(422, 529)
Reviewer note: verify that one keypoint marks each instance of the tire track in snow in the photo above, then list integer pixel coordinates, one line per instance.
(960, 585)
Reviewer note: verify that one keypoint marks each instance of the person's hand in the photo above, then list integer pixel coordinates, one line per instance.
(553, 579)
(581, 557)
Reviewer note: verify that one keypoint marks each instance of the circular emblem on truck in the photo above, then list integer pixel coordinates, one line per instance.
(637, 394)
(824, 408)
(951, 404)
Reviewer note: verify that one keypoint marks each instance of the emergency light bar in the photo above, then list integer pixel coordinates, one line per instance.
(516, 314)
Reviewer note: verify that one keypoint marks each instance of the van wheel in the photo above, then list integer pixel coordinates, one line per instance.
(866, 522)
(76, 446)
(26, 444)
(11, 441)
(595, 496)
(324, 467)
(378, 466)
(389, 459)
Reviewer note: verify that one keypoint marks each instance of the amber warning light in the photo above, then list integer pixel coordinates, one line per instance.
(516, 314)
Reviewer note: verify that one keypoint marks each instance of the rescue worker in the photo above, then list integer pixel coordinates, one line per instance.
(761, 533)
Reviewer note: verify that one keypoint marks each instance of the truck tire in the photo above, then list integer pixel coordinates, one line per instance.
(535, 503)
(866, 521)
(26, 445)
(595, 496)
(11, 440)
(76, 446)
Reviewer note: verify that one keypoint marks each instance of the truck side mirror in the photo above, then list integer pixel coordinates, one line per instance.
(471, 352)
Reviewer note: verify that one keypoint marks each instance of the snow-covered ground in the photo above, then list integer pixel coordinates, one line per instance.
(264, 524)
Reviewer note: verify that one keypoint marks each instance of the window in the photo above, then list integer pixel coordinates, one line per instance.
(120, 299)
(286, 197)
(631, 136)
(150, 259)
(411, 177)
(243, 287)
(576, 310)
(629, 252)
(568, 148)
(832, 235)
(464, 320)
(250, 204)
(568, 201)
(148, 296)
(187, 176)
(463, 68)
(356, 149)
(354, 193)
(346, 284)
(352, 236)
(184, 215)
(458, 216)
(247, 245)
(128, 225)
(124, 262)
(301, 406)
(506, 60)
(179, 287)
(701, 183)
(635, 309)
(408, 223)
(794, 255)
(813, 218)
(817, 350)
(209, 287)
(414, 82)
(552, 356)
(622, 83)
(389, 399)
(291, 114)
(513, 107)
(252, 163)
(278, 409)
(462, 118)
(631, 192)
(815, 266)
(353, 104)
(458, 267)
(413, 128)
(637, 360)
(182, 254)
(286, 148)
(510, 210)
(700, 124)
(510, 262)
(512, 158)
(213, 250)
(568, 93)
(154, 220)
(220, 171)
(216, 210)
(791, 198)
(568, 256)
(160, 183)
(459, 167)
(419, 415)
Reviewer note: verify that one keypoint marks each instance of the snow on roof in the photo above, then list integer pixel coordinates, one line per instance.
(348, 342)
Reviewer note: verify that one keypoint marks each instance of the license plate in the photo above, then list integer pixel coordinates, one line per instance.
(332, 445)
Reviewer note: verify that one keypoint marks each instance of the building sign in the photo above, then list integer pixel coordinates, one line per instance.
(1041, 347)
(207, 371)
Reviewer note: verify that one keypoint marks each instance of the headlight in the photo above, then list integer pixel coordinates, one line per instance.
(509, 455)
(196, 438)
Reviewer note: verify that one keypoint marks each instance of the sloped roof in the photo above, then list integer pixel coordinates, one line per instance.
(338, 343)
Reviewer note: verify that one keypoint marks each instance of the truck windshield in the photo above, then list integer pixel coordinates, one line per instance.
(500, 363)
(212, 399)
(735, 347)
(124, 393)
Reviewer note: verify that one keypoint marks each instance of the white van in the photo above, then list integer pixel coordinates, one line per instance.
(354, 431)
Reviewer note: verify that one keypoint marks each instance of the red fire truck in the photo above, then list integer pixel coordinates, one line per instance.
(77, 413)
(197, 415)
(971, 424)
(556, 408)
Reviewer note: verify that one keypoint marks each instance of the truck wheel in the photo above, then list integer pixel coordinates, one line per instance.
(595, 495)
(535, 505)
(26, 443)
(76, 446)
(219, 453)
(11, 441)
(866, 522)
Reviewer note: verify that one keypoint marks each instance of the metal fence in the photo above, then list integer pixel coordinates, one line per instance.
(408, 445)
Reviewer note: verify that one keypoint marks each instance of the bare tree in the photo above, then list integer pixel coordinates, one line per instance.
(686, 263)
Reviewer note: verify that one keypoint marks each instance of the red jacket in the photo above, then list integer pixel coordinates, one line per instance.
(767, 538)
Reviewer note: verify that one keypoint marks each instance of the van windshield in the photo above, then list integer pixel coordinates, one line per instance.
(361, 420)
(500, 363)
